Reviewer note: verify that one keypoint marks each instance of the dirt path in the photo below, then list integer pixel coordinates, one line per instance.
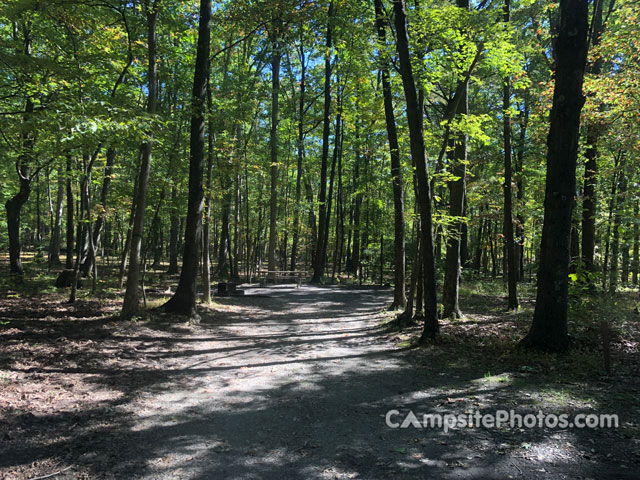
(283, 383)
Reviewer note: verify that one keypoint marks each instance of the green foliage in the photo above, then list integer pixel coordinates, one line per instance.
(87, 98)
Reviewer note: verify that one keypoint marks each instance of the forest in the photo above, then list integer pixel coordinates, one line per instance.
(458, 178)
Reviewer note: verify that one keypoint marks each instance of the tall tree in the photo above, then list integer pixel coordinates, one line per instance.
(183, 301)
(300, 154)
(25, 159)
(399, 297)
(511, 261)
(549, 330)
(418, 154)
(56, 234)
(276, 57)
(319, 260)
(457, 189)
(206, 228)
(635, 262)
(589, 200)
(130, 304)
(69, 194)
(617, 202)
(89, 261)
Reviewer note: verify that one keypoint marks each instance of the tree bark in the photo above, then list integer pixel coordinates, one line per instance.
(456, 206)
(237, 221)
(173, 233)
(319, 260)
(355, 266)
(607, 237)
(14, 204)
(276, 57)
(339, 233)
(511, 263)
(406, 318)
(334, 158)
(636, 244)
(399, 297)
(624, 268)
(520, 185)
(56, 232)
(206, 229)
(300, 158)
(589, 200)
(223, 244)
(479, 238)
(70, 232)
(24, 166)
(549, 330)
(312, 215)
(273, 143)
(183, 301)
(80, 233)
(465, 259)
(14, 207)
(418, 153)
(130, 304)
(457, 193)
(617, 221)
(88, 262)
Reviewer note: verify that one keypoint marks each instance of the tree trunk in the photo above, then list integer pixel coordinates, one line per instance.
(511, 263)
(399, 298)
(80, 233)
(492, 251)
(589, 200)
(575, 246)
(237, 222)
(549, 327)
(70, 233)
(14, 204)
(173, 233)
(456, 205)
(520, 184)
(206, 230)
(300, 158)
(183, 301)
(457, 192)
(56, 233)
(14, 207)
(407, 315)
(339, 217)
(465, 259)
(276, 56)
(418, 153)
(617, 221)
(312, 215)
(223, 243)
(334, 158)
(636, 243)
(607, 240)
(338, 206)
(23, 168)
(130, 304)
(478, 253)
(624, 268)
(99, 224)
(319, 260)
(38, 238)
(355, 266)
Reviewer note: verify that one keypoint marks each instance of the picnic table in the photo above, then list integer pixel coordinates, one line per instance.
(265, 275)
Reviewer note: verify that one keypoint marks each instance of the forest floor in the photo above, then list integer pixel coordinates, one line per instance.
(288, 383)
